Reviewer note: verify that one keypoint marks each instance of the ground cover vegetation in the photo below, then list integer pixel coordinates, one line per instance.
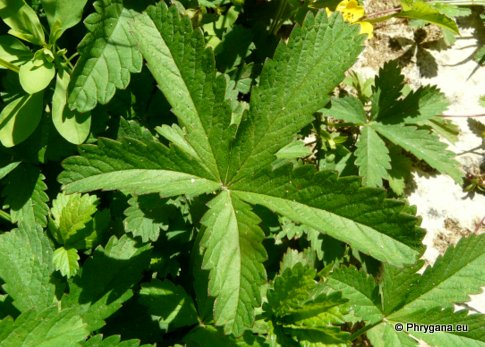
(209, 173)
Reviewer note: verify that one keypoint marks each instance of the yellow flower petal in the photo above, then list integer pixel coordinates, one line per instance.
(351, 10)
(366, 28)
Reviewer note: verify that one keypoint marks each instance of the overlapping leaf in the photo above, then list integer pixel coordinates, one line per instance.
(108, 56)
(341, 208)
(47, 327)
(293, 86)
(185, 72)
(233, 251)
(135, 166)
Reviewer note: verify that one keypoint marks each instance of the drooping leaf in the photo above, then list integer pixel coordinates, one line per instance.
(233, 253)
(145, 217)
(44, 328)
(72, 125)
(66, 261)
(20, 118)
(169, 304)
(135, 167)
(374, 225)
(26, 267)
(372, 158)
(105, 280)
(108, 56)
(293, 86)
(361, 291)
(424, 145)
(22, 20)
(63, 14)
(185, 72)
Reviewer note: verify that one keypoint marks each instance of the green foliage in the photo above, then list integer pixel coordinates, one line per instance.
(405, 121)
(200, 211)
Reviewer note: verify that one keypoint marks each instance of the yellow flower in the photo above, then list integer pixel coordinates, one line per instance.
(352, 12)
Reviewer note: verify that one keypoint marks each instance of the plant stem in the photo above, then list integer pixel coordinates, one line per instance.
(5, 216)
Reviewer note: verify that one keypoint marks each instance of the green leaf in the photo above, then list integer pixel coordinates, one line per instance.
(5, 170)
(304, 313)
(13, 53)
(400, 172)
(348, 109)
(36, 74)
(137, 167)
(294, 150)
(45, 328)
(66, 261)
(72, 125)
(70, 215)
(110, 341)
(97, 293)
(384, 335)
(145, 217)
(374, 225)
(108, 56)
(423, 11)
(169, 304)
(417, 107)
(372, 158)
(26, 267)
(293, 85)
(452, 278)
(424, 145)
(25, 194)
(22, 20)
(185, 72)
(361, 291)
(386, 90)
(234, 254)
(20, 118)
(444, 324)
(62, 14)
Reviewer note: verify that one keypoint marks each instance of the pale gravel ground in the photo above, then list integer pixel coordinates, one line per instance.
(438, 199)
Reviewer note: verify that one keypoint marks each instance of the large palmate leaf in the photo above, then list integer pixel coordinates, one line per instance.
(45, 328)
(232, 242)
(200, 159)
(185, 72)
(340, 208)
(293, 86)
(108, 56)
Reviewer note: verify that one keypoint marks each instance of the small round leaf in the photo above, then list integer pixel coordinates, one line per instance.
(35, 75)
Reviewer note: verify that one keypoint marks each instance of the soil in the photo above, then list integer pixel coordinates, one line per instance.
(448, 212)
